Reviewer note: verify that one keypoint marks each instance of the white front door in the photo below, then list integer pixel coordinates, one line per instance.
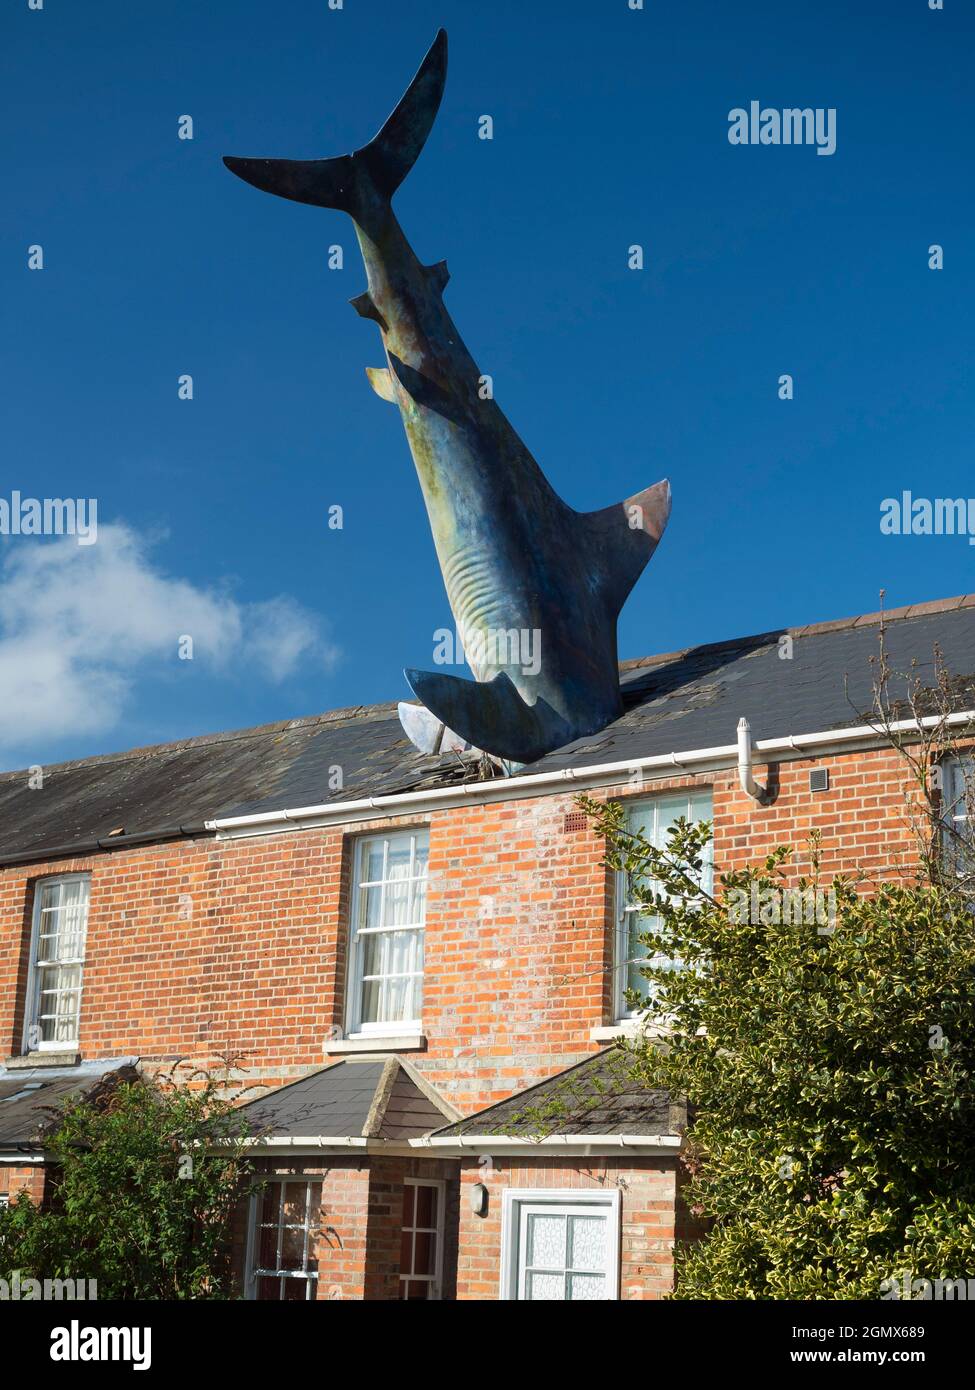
(564, 1252)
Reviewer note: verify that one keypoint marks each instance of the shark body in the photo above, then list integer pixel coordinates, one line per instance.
(516, 560)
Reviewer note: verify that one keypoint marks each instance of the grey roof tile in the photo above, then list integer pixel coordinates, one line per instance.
(29, 1096)
(597, 1096)
(672, 703)
(379, 1098)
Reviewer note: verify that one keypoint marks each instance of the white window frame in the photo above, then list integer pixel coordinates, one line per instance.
(253, 1272)
(435, 1280)
(957, 771)
(623, 909)
(35, 971)
(519, 1202)
(403, 1027)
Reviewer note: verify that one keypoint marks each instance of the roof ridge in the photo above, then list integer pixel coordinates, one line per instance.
(348, 714)
(888, 615)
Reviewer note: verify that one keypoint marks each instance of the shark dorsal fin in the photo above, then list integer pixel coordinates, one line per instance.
(623, 537)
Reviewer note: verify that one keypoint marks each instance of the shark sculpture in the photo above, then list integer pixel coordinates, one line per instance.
(524, 573)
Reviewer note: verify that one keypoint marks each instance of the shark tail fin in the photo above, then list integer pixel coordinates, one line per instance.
(623, 537)
(387, 159)
(490, 714)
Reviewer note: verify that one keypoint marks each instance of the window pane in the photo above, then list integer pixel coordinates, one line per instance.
(270, 1201)
(293, 1247)
(546, 1288)
(268, 1289)
(372, 861)
(50, 893)
(398, 1006)
(587, 1287)
(426, 1206)
(399, 858)
(294, 1198)
(371, 991)
(397, 908)
(297, 1290)
(425, 1253)
(409, 1203)
(587, 1242)
(267, 1250)
(403, 952)
(546, 1242)
(373, 950)
(370, 907)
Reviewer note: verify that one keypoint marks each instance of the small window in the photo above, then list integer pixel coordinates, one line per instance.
(282, 1262)
(57, 963)
(388, 911)
(560, 1246)
(655, 817)
(958, 803)
(421, 1250)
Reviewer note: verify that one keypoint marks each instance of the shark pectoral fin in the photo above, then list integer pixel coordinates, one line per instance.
(491, 714)
(381, 382)
(428, 733)
(623, 537)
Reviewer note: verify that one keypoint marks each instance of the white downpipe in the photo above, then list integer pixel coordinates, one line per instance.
(745, 775)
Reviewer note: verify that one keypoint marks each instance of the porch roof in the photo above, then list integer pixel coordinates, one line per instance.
(599, 1096)
(374, 1098)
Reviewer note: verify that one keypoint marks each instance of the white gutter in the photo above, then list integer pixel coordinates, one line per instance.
(519, 788)
(459, 1144)
(506, 1143)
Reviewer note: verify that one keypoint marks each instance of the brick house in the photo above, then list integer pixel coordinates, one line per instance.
(404, 959)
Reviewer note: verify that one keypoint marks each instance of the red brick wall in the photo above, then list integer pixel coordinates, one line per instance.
(202, 948)
(648, 1196)
(15, 1178)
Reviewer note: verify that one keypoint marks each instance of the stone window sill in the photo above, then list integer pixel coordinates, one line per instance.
(628, 1028)
(31, 1060)
(394, 1042)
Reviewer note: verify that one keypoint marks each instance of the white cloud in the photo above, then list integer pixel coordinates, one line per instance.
(79, 625)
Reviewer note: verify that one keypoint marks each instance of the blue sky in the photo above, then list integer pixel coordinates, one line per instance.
(610, 128)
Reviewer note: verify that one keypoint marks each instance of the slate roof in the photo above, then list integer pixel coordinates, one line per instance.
(27, 1094)
(378, 1098)
(597, 1096)
(675, 702)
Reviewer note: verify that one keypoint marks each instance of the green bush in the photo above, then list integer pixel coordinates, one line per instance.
(141, 1201)
(828, 1065)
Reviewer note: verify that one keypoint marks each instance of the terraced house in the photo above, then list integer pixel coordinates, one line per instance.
(405, 959)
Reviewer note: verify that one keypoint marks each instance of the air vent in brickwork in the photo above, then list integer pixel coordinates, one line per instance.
(819, 779)
(574, 820)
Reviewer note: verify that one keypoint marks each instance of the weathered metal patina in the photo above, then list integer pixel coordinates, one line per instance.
(535, 587)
